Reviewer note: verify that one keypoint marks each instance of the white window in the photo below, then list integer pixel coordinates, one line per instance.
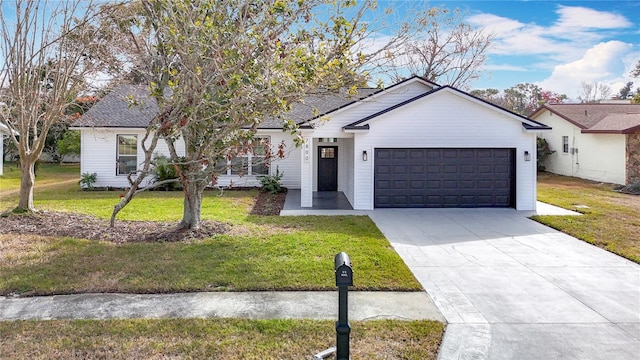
(565, 144)
(127, 154)
(254, 163)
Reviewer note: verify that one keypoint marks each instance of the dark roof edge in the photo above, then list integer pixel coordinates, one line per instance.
(374, 94)
(353, 124)
(540, 127)
(355, 127)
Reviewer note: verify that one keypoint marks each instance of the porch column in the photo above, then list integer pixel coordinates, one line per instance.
(306, 173)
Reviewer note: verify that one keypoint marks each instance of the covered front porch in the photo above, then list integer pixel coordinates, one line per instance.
(324, 203)
(327, 173)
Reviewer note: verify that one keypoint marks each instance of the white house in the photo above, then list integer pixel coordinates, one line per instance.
(598, 142)
(413, 144)
(4, 132)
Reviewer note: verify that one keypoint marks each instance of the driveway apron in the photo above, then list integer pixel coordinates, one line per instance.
(511, 288)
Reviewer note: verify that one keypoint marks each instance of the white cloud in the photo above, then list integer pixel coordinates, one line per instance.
(581, 17)
(603, 63)
(575, 30)
(504, 67)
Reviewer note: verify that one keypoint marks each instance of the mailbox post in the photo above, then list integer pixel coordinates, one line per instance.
(344, 279)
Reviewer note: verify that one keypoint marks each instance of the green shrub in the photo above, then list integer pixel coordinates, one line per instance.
(272, 183)
(164, 170)
(543, 151)
(87, 180)
(69, 144)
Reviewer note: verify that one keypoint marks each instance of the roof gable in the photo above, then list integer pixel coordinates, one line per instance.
(375, 94)
(527, 123)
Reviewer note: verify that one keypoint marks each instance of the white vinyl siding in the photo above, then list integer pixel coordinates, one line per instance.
(99, 155)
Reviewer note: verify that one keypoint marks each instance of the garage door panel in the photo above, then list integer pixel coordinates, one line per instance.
(444, 178)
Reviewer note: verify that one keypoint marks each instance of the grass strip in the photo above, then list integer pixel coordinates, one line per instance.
(214, 339)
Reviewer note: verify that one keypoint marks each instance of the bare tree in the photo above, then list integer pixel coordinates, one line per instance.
(46, 51)
(593, 92)
(442, 48)
(218, 69)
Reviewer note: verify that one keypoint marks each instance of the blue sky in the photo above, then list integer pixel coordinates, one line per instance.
(555, 44)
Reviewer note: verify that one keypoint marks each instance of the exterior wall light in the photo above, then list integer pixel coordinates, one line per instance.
(527, 156)
(364, 155)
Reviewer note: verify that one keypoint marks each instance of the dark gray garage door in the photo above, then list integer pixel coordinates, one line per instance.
(444, 178)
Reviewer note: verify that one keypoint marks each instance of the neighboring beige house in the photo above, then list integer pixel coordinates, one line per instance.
(598, 142)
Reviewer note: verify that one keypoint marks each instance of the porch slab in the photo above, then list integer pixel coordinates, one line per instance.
(329, 203)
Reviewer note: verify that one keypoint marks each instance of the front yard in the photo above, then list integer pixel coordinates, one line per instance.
(249, 252)
(244, 253)
(611, 220)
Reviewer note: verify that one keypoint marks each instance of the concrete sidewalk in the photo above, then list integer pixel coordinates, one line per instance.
(321, 305)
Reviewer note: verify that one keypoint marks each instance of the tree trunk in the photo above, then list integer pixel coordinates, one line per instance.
(192, 205)
(27, 183)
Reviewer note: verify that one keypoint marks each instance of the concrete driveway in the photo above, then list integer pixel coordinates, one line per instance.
(511, 288)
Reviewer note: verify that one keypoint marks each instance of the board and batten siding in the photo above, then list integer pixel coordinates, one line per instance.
(332, 125)
(98, 155)
(599, 157)
(446, 120)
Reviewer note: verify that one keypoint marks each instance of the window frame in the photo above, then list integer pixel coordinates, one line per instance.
(565, 144)
(119, 156)
(247, 168)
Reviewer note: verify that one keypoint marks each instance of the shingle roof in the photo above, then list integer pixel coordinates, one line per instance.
(623, 123)
(603, 118)
(115, 109)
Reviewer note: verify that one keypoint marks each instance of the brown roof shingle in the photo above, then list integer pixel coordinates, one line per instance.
(602, 118)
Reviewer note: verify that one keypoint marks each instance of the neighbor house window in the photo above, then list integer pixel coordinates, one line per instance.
(565, 144)
(254, 163)
(127, 154)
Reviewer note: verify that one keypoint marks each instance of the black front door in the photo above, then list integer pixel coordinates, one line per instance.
(328, 168)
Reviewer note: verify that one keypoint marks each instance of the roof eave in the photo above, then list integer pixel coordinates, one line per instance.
(587, 131)
(355, 129)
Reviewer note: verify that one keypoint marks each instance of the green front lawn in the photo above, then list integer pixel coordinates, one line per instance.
(257, 253)
(610, 220)
(46, 174)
